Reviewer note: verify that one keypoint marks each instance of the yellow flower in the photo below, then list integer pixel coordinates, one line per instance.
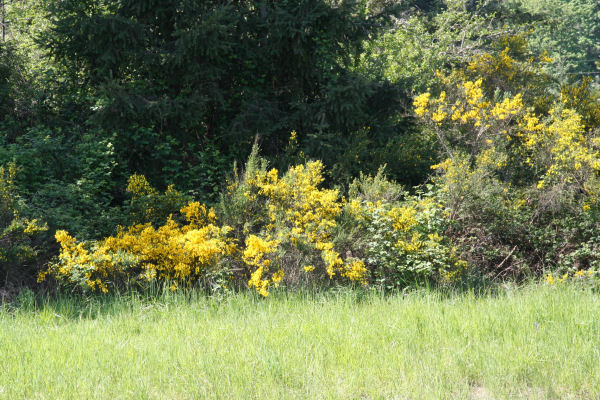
(421, 102)
(278, 276)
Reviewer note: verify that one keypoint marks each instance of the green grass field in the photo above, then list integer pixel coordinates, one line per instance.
(533, 342)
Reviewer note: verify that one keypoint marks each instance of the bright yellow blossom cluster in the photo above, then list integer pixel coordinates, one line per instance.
(421, 103)
(138, 186)
(262, 255)
(303, 215)
(467, 106)
(556, 146)
(296, 201)
(172, 252)
(578, 275)
(570, 152)
(489, 64)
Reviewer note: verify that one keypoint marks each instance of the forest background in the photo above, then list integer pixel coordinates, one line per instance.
(127, 130)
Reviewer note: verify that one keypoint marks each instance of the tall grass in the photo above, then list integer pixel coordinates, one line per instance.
(534, 342)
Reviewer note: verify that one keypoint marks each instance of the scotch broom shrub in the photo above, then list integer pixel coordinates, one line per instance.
(181, 254)
(520, 181)
(294, 222)
(270, 229)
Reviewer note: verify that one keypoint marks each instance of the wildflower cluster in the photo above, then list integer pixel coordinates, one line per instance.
(179, 254)
(577, 276)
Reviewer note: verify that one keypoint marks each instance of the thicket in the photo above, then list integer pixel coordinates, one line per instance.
(266, 230)
(401, 143)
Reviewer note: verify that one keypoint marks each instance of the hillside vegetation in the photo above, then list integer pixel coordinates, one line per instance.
(303, 144)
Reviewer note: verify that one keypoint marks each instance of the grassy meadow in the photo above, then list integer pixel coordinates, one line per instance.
(534, 342)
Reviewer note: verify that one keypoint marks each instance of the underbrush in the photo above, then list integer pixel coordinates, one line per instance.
(269, 229)
(516, 197)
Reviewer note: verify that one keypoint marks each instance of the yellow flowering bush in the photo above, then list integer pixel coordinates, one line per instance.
(464, 119)
(520, 175)
(511, 67)
(302, 216)
(552, 148)
(271, 229)
(177, 253)
(582, 97)
(278, 217)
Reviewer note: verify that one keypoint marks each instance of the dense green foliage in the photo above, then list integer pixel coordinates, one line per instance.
(501, 97)
(568, 30)
(187, 85)
(19, 236)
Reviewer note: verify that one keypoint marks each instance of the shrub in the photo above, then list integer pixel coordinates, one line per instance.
(287, 226)
(148, 205)
(520, 179)
(276, 229)
(400, 236)
(180, 254)
(19, 236)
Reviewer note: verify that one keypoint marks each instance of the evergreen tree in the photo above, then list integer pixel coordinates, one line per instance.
(189, 84)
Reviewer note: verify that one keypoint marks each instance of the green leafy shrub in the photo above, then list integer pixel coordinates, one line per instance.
(19, 236)
(70, 178)
(148, 205)
(400, 236)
